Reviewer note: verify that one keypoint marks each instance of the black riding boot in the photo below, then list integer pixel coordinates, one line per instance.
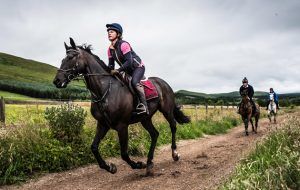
(142, 105)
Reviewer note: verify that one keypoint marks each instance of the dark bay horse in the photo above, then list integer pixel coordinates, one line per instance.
(246, 112)
(113, 104)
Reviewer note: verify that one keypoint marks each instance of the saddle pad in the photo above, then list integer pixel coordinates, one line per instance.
(149, 89)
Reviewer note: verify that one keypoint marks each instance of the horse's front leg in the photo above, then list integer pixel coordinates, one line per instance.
(246, 121)
(253, 129)
(123, 139)
(100, 134)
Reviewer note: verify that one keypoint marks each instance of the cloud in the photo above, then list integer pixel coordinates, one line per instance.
(206, 46)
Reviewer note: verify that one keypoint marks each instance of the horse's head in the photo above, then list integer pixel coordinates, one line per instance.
(71, 67)
(245, 97)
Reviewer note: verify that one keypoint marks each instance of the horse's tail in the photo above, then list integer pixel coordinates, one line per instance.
(179, 116)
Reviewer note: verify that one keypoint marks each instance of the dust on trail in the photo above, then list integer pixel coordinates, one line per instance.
(204, 164)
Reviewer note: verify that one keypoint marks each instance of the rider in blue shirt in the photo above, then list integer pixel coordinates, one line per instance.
(276, 99)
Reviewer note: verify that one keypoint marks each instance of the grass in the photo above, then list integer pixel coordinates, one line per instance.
(13, 96)
(274, 164)
(23, 75)
(27, 148)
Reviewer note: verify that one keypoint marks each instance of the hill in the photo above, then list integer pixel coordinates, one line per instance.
(34, 79)
(231, 98)
(234, 94)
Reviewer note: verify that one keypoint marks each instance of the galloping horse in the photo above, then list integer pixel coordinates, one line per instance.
(113, 104)
(245, 110)
(272, 108)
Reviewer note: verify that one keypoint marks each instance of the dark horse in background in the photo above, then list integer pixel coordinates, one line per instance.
(246, 112)
(113, 104)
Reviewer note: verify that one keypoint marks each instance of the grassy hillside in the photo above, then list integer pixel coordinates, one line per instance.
(14, 96)
(34, 79)
(19, 69)
(233, 94)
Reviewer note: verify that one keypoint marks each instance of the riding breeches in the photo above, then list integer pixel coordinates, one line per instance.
(137, 75)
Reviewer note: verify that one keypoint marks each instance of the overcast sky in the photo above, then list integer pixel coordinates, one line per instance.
(203, 46)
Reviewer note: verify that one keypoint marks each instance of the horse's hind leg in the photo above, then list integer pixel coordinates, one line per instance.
(100, 133)
(148, 125)
(171, 120)
(123, 140)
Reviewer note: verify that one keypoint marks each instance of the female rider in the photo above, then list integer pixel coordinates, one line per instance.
(129, 62)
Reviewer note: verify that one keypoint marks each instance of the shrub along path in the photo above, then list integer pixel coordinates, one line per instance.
(205, 163)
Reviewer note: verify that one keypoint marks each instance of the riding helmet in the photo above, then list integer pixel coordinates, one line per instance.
(115, 26)
(245, 80)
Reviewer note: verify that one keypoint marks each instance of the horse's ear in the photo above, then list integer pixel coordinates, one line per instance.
(66, 46)
(72, 43)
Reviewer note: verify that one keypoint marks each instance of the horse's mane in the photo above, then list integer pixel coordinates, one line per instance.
(88, 49)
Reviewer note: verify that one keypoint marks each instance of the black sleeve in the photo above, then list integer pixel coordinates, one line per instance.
(241, 90)
(128, 62)
(111, 63)
(251, 92)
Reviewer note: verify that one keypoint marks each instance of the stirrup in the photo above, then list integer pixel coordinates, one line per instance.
(141, 108)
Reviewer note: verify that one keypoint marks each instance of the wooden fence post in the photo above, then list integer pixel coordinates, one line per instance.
(2, 110)
(206, 111)
(196, 112)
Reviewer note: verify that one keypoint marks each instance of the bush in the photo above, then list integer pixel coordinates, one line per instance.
(66, 122)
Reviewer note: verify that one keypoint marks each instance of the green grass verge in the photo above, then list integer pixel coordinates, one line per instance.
(274, 164)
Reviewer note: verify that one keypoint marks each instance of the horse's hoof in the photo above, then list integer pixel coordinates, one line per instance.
(176, 157)
(112, 168)
(150, 170)
(141, 165)
(247, 134)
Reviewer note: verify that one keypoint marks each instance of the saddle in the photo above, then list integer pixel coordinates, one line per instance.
(149, 88)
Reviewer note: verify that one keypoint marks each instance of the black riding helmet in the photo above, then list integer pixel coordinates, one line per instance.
(116, 27)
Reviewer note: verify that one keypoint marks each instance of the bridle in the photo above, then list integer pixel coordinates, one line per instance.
(75, 74)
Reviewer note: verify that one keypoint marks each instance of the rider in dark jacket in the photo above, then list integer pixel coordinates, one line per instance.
(248, 89)
(129, 62)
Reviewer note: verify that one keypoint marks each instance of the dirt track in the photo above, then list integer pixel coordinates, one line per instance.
(205, 163)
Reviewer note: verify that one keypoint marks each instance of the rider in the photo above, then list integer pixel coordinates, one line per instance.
(275, 98)
(129, 62)
(248, 89)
